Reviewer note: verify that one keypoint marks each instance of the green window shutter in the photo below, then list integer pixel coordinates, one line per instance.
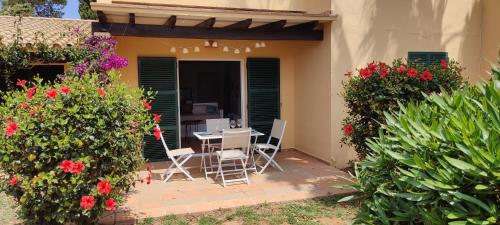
(160, 74)
(263, 86)
(427, 58)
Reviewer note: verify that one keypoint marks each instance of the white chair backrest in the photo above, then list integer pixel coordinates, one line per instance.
(236, 138)
(217, 124)
(277, 131)
(164, 143)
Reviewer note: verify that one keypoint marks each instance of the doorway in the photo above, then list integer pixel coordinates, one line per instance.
(207, 90)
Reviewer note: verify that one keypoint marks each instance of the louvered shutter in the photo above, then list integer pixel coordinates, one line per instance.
(427, 58)
(263, 93)
(160, 74)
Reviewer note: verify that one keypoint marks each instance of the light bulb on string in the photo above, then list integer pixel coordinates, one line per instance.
(248, 50)
(173, 50)
(236, 51)
(262, 44)
(196, 49)
(225, 49)
(215, 45)
(257, 45)
(185, 51)
(207, 44)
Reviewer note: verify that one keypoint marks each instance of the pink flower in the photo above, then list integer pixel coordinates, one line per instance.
(412, 72)
(110, 204)
(101, 92)
(348, 129)
(383, 72)
(66, 166)
(31, 92)
(157, 117)
(21, 83)
(103, 187)
(401, 69)
(426, 76)
(77, 167)
(65, 90)
(372, 67)
(51, 93)
(146, 104)
(13, 181)
(444, 64)
(365, 73)
(10, 128)
(157, 133)
(87, 202)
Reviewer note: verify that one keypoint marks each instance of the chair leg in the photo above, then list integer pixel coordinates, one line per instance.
(219, 168)
(270, 161)
(245, 170)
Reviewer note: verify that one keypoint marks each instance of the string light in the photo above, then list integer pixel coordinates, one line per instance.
(262, 45)
(196, 49)
(225, 49)
(207, 44)
(248, 50)
(185, 51)
(257, 45)
(173, 50)
(215, 44)
(236, 51)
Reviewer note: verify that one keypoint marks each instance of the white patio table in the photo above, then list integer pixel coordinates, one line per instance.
(205, 137)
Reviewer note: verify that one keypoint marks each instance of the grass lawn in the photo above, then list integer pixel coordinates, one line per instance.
(310, 212)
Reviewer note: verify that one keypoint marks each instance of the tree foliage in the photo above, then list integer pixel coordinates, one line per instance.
(85, 10)
(47, 8)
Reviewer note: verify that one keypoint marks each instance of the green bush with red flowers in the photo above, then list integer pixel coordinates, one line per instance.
(377, 88)
(70, 149)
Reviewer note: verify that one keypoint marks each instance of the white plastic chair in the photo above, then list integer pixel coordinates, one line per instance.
(235, 146)
(276, 132)
(215, 125)
(176, 156)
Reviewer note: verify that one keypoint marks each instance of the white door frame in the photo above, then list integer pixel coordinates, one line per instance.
(243, 89)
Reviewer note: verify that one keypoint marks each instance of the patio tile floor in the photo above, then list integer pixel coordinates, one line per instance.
(304, 177)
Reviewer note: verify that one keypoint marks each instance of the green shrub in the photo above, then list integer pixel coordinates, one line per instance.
(70, 147)
(371, 91)
(436, 162)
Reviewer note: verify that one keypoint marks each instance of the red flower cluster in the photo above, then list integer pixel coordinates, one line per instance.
(401, 69)
(146, 104)
(65, 90)
(69, 166)
(101, 92)
(51, 93)
(87, 202)
(31, 92)
(444, 64)
(21, 83)
(365, 73)
(10, 128)
(412, 72)
(426, 76)
(157, 117)
(13, 181)
(157, 133)
(104, 187)
(110, 204)
(348, 129)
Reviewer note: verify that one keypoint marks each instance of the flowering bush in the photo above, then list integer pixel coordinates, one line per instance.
(377, 88)
(70, 149)
(436, 161)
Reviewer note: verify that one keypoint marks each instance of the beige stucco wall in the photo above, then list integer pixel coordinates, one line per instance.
(313, 6)
(132, 47)
(491, 33)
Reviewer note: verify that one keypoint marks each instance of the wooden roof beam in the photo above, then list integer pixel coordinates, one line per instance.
(170, 23)
(208, 23)
(131, 19)
(277, 25)
(241, 25)
(102, 17)
(311, 25)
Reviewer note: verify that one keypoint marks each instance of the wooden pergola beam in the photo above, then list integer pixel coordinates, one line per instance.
(207, 24)
(277, 25)
(170, 23)
(242, 25)
(102, 17)
(144, 30)
(311, 25)
(131, 19)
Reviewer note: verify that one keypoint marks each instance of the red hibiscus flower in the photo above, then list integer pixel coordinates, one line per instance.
(372, 67)
(426, 76)
(401, 69)
(365, 73)
(66, 166)
(348, 129)
(110, 204)
(13, 181)
(31, 92)
(24, 106)
(146, 104)
(383, 72)
(65, 90)
(21, 83)
(157, 133)
(412, 72)
(101, 92)
(51, 93)
(157, 117)
(87, 202)
(77, 167)
(104, 187)
(444, 64)
(348, 74)
(10, 128)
